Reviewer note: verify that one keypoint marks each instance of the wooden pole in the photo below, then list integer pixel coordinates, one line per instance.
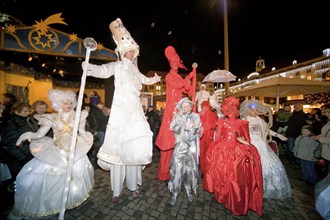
(225, 31)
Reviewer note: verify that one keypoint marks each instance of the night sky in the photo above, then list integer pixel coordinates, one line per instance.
(272, 30)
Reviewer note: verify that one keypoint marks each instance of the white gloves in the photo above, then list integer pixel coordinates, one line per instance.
(83, 116)
(157, 77)
(84, 65)
(27, 136)
(283, 138)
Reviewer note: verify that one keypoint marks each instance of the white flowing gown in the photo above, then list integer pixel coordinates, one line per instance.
(276, 184)
(39, 185)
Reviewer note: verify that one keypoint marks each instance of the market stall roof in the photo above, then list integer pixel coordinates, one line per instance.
(45, 50)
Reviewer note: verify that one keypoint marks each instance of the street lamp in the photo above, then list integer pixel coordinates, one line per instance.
(225, 27)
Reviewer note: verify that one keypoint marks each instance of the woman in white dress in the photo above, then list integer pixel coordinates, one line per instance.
(39, 185)
(276, 184)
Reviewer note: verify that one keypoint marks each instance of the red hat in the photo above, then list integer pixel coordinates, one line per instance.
(173, 57)
(206, 104)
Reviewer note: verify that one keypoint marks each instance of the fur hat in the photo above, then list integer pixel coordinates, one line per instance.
(182, 101)
(308, 127)
(123, 38)
(58, 97)
(173, 57)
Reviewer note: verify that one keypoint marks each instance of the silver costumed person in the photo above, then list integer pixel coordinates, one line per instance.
(187, 129)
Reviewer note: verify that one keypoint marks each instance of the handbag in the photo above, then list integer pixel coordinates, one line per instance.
(318, 151)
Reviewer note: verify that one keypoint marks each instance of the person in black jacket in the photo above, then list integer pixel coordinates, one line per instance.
(296, 121)
(17, 123)
(97, 122)
(6, 196)
(8, 101)
(153, 119)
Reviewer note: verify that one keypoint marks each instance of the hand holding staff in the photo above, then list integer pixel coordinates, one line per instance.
(90, 44)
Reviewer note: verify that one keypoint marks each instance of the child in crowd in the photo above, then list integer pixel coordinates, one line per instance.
(303, 149)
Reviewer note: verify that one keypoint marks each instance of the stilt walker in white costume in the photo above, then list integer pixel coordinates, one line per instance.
(128, 139)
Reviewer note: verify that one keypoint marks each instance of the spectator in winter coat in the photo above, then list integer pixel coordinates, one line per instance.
(18, 123)
(324, 137)
(297, 120)
(153, 119)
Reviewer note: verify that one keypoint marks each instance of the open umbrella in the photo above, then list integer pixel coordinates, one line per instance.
(279, 87)
(219, 76)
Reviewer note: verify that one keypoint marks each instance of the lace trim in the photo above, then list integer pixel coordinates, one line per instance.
(51, 212)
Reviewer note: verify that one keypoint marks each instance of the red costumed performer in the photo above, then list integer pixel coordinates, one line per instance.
(209, 120)
(232, 164)
(175, 88)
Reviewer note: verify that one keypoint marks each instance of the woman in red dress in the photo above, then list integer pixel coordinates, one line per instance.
(176, 86)
(209, 120)
(232, 166)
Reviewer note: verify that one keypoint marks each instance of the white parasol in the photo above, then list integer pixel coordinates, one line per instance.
(219, 76)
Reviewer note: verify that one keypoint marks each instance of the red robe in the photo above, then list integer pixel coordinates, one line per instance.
(175, 87)
(233, 169)
(209, 123)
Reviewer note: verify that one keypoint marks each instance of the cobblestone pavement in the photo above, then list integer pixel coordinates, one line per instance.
(153, 202)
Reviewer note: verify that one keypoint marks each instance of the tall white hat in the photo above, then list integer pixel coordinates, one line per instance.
(123, 38)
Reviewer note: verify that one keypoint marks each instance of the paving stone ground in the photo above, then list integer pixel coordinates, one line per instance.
(153, 202)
